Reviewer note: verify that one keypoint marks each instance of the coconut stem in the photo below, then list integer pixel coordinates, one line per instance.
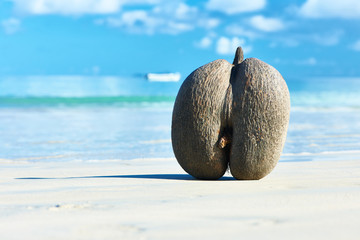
(239, 56)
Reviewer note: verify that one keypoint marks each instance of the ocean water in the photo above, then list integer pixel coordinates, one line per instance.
(97, 118)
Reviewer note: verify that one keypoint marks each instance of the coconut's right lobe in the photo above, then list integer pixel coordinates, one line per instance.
(260, 116)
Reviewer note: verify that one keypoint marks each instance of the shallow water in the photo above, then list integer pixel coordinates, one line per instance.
(109, 118)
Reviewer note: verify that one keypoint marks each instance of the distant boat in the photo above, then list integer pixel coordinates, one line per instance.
(163, 77)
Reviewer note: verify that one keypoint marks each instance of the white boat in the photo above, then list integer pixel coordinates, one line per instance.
(163, 77)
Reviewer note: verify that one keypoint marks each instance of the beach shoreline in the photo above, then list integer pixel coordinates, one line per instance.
(156, 199)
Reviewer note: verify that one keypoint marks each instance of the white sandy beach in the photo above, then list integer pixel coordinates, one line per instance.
(155, 199)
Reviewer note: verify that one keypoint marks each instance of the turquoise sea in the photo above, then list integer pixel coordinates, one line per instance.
(100, 118)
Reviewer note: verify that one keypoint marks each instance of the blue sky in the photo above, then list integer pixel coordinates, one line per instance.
(123, 37)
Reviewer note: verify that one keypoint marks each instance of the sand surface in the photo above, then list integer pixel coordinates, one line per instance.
(155, 199)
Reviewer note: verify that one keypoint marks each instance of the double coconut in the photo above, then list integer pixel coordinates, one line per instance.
(231, 115)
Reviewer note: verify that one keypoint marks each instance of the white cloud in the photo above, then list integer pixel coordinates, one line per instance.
(177, 10)
(235, 6)
(331, 9)
(137, 21)
(183, 11)
(240, 31)
(135, 17)
(67, 6)
(227, 46)
(74, 7)
(208, 23)
(140, 21)
(173, 27)
(11, 25)
(168, 18)
(205, 42)
(356, 46)
(266, 24)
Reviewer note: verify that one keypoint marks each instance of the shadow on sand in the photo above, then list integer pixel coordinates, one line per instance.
(138, 176)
